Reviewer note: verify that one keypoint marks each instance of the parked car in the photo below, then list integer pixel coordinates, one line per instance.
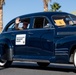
(49, 38)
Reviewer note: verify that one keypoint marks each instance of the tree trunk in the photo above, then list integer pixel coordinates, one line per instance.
(1, 19)
(1, 14)
(46, 4)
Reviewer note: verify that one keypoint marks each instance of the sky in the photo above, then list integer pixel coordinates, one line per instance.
(14, 8)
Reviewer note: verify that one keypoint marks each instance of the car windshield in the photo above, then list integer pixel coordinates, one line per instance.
(73, 17)
(64, 20)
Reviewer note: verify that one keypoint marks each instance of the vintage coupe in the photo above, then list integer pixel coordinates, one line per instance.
(49, 38)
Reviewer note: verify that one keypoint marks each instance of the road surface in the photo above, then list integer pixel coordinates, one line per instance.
(22, 68)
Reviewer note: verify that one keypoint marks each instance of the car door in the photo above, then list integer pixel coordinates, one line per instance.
(19, 39)
(20, 43)
(41, 38)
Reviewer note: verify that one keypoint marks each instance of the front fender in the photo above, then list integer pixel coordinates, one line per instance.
(8, 52)
(6, 41)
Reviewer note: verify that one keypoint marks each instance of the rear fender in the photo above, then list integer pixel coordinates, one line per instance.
(65, 42)
(63, 47)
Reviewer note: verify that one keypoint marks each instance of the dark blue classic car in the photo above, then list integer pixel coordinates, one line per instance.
(49, 37)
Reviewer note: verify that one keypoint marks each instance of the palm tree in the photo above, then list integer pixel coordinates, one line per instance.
(55, 7)
(46, 4)
(1, 14)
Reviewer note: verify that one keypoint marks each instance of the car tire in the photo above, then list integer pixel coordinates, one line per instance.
(41, 64)
(5, 63)
(74, 58)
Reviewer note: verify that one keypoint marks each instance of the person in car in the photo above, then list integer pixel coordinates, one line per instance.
(17, 21)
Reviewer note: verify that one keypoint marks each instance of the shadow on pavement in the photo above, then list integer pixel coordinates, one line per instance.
(2, 68)
(51, 67)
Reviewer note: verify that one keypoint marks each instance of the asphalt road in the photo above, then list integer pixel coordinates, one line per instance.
(22, 68)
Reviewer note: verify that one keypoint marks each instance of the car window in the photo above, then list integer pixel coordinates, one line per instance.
(24, 22)
(74, 19)
(62, 20)
(46, 23)
(11, 27)
(40, 22)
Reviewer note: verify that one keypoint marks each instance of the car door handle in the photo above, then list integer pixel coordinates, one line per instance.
(30, 33)
(48, 41)
(12, 34)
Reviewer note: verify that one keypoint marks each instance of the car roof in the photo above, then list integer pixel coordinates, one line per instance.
(39, 14)
(42, 13)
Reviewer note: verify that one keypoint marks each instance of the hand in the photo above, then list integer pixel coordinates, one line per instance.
(17, 21)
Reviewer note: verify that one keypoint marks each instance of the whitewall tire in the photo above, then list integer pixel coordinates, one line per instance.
(5, 63)
(2, 64)
(74, 58)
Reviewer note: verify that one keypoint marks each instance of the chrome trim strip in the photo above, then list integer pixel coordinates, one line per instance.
(61, 49)
(61, 52)
(31, 60)
(66, 33)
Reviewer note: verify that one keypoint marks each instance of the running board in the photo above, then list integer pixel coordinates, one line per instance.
(31, 60)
